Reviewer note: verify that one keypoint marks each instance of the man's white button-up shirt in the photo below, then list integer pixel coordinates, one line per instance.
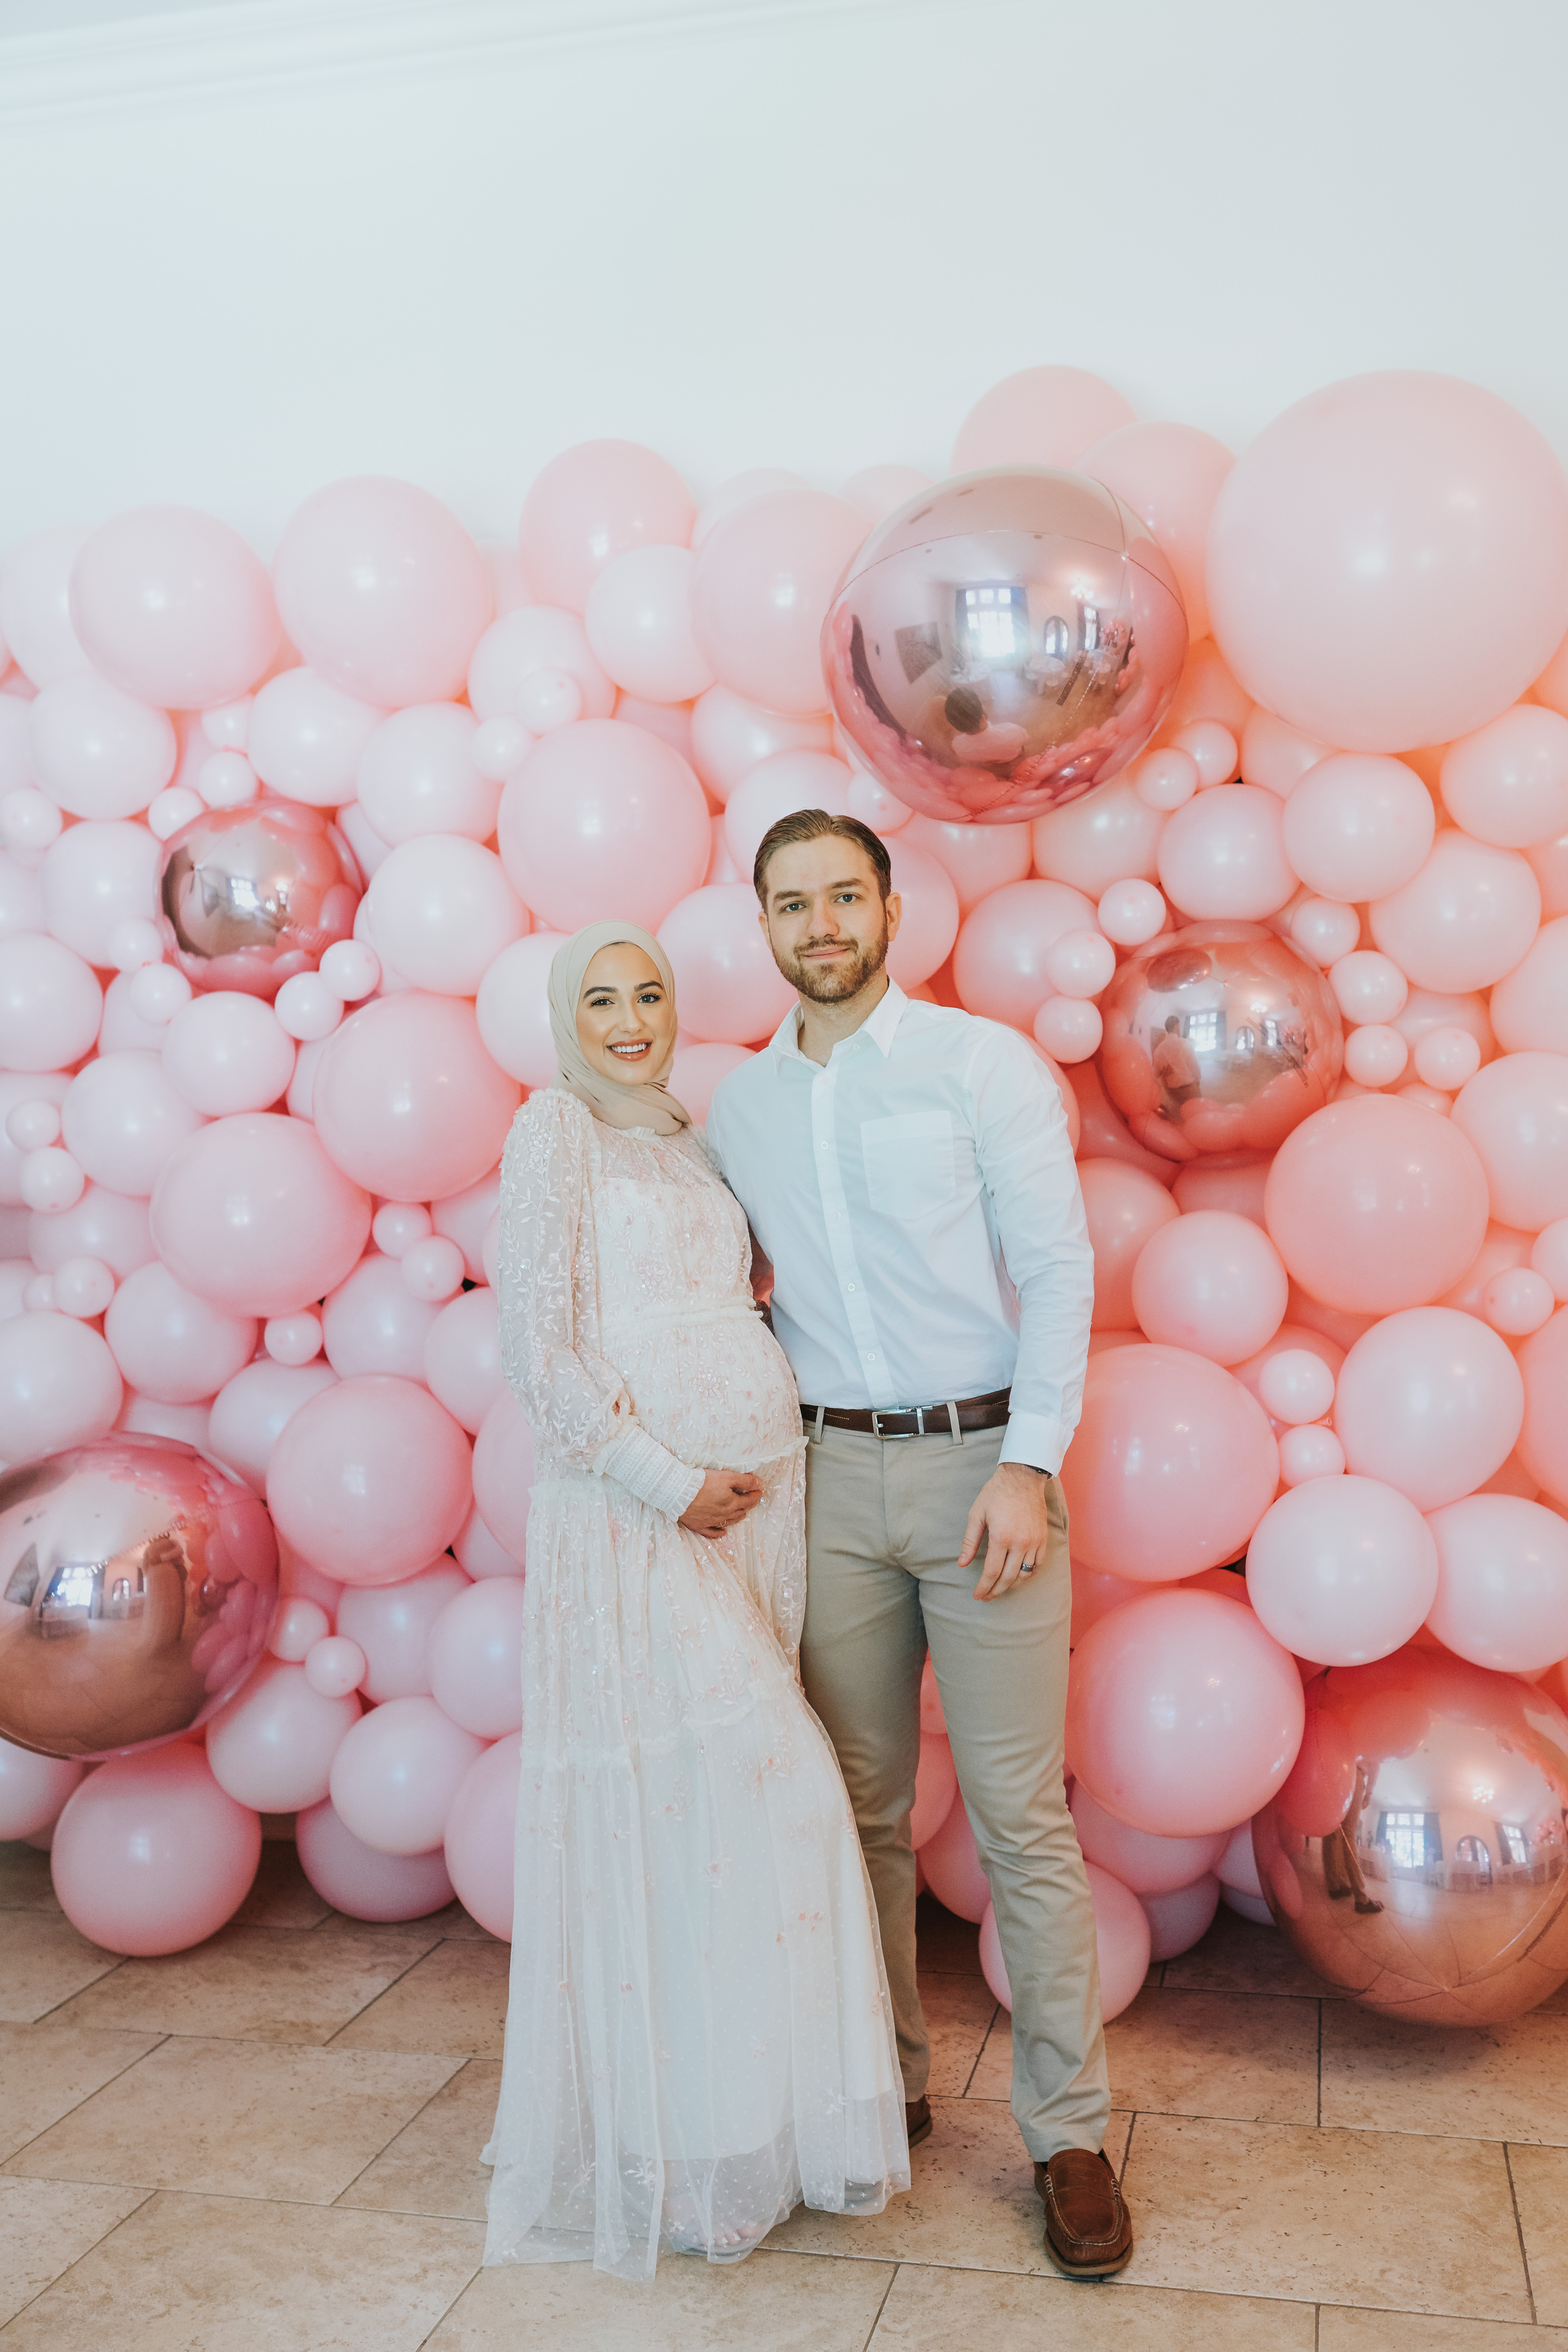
(918, 1198)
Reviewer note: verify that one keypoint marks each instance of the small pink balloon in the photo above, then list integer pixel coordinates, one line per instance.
(59, 1385)
(1342, 1570)
(1446, 1058)
(875, 806)
(1212, 1282)
(1041, 416)
(97, 751)
(1180, 1919)
(1358, 826)
(1148, 1864)
(763, 579)
(350, 969)
(1549, 1257)
(307, 1009)
(50, 1003)
(418, 774)
(1109, 837)
(999, 961)
(362, 1883)
(1324, 929)
(392, 1625)
(1515, 1302)
(1374, 1204)
(481, 1837)
(1224, 854)
(1170, 476)
(1277, 755)
(1131, 912)
(475, 1657)
(432, 1270)
(1310, 1452)
(34, 1124)
(1081, 964)
(1430, 1401)
(395, 1775)
(272, 1746)
(95, 879)
(383, 591)
(1502, 1582)
(1375, 1055)
(953, 1866)
(1210, 747)
(293, 1339)
(406, 1100)
(1166, 779)
(533, 642)
(399, 1225)
(150, 1854)
(369, 1479)
(251, 1213)
(1294, 1384)
(1068, 1028)
(297, 1626)
(228, 1052)
(32, 1790)
(603, 815)
(155, 995)
(1515, 1113)
(775, 788)
(307, 735)
(1508, 783)
(51, 1180)
(637, 615)
(726, 984)
(1464, 919)
(122, 1118)
(595, 502)
(334, 1666)
(173, 1346)
(173, 607)
(373, 1323)
(83, 1287)
(500, 747)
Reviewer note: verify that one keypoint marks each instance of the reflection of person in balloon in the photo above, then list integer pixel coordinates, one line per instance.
(1342, 1871)
(908, 1171)
(698, 2032)
(1176, 1064)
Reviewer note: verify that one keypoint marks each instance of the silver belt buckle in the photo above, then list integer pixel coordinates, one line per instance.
(892, 1437)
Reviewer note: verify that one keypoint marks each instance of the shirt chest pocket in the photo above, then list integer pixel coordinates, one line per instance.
(912, 1163)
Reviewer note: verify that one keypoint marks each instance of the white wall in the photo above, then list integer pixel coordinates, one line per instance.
(446, 238)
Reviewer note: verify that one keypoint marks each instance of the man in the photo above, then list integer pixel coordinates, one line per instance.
(908, 1171)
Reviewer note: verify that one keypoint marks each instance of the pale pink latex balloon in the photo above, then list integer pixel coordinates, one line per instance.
(1238, 1188)
(670, 722)
(1041, 416)
(1109, 836)
(475, 1657)
(1122, 1938)
(1542, 1448)
(514, 1008)
(775, 788)
(477, 1550)
(369, 1480)
(85, 1286)
(1275, 754)
(383, 591)
(1169, 475)
(1345, 553)
(1515, 1302)
(481, 1837)
(731, 736)
(603, 816)
(432, 1270)
(523, 645)
(1508, 783)
(1548, 1255)
(1324, 929)
(170, 605)
(462, 1359)
(503, 1473)
(1131, 912)
(1427, 1009)
(173, 1346)
(59, 1385)
(150, 1854)
(763, 579)
(1166, 779)
(1173, 1465)
(362, 1883)
(297, 1626)
(395, 1774)
(1549, 863)
(999, 961)
(307, 737)
(1147, 1864)
(35, 604)
(417, 775)
(372, 1323)
(443, 909)
(251, 1213)
(391, 1625)
(1374, 1204)
(51, 1179)
(1501, 1247)
(1081, 964)
(978, 858)
(350, 970)
(953, 1866)
(1375, 1055)
(698, 1071)
(1294, 1384)
(1342, 1570)
(228, 1052)
(1068, 1028)
(1124, 1207)
(592, 503)
(1551, 688)
(1529, 1004)
(638, 618)
(407, 1101)
(1211, 748)
(1183, 1713)
(726, 984)
(936, 1788)
(1502, 1584)
(95, 877)
(1430, 1401)
(97, 751)
(928, 924)
(1448, 1057)
(307, 1009)
(1206, 689)
(272, 1746)
(248, 1411)
(104, 1225)
(1357, 827)
(879, 490)
(1465, 919)
(32, 1789)
(1310, 1452)
(1212, 1282)
(121, 1118)
(1179, 1920)
(1515, 1113)
(334, 1666)
(1224, 854)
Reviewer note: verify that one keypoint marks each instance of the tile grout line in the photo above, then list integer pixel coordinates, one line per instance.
(461, 2067)
(887, 2291)
(112, 2231)
(1519, 2226)
(66, 2000)
(365, 2007)
(6, 2172)
(985, 2045)
(1319, 2064)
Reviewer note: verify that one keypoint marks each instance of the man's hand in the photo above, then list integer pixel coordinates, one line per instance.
(1012, 1513)
(722, 1502)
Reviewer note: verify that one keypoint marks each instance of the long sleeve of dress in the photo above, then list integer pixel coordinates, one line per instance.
(576, 1400)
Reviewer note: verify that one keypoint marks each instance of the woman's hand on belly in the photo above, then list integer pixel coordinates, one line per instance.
(722, 1502)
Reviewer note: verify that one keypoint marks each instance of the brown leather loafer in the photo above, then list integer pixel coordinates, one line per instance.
(1089, 2230)
(917, 2120)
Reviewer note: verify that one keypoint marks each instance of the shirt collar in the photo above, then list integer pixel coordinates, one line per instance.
(880, 1027)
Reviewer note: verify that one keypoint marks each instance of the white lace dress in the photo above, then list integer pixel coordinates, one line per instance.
(698, 2033)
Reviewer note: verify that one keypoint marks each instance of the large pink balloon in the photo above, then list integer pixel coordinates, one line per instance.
(1388, 562)
(481, 1837)
(462, 1359)
(999, 962)
(1543, 1440)
(592, 503)
(369, 1480)
(638, 616)
(1123, 1943)
(475, 1657)
(249, 1410)
(1529, 1005)
(60, 1386)
(32, 1789)
(1041, 416)
(1375, 1204)
(1515, 1113)
(227, 1051)
(929, 918)
(50, 1003)
(764, 577)
(1172, 1468)
(1430, 1401)
(251, 1213)
(731, 736)
(97, 751)
(603, 817)
(1184, 1715)
(372, 1323)
(1124, 1206)
(1342, 1570)
(123, 1118)
(503, 1473)
(392, 1624)
(514, 1008)
(1169, 475)
(417, 776)
(1508, 783)
(978, 858)
(151, 1855)
(1357, 827)
(171, 1345)
(442, 908)
(383, 591)
(1223, 855)
(362, 1883)
(1502, 1582)
(775, 787)
(96, 877)
(307, 735)
(272, 1746)
(406, 1100)
(504, 674)
(35, 604)
(1148, 1864)
(1211, 1282)
(1465, 918)
(1180, 1919)
(727, 985)
(396, 1773)
(1107, 836)
(103, 1224)
(174, 606)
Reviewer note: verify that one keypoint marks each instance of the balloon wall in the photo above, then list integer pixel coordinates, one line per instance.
(1238, 786)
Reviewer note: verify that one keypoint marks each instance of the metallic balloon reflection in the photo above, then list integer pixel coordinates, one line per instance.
(1218, 1038)
(137, 1589)
(251, 896)
(1417, 1857)
(1003, 643)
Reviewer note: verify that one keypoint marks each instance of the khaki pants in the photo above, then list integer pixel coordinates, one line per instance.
(885, 1521)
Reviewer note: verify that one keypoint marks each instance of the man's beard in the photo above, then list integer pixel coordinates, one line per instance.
(846, 976)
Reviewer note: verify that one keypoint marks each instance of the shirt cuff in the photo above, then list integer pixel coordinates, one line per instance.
(1036, 1439)
(651, 1471)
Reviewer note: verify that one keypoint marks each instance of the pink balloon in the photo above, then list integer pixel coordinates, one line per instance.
(406, 1100)
(462, 1360)
(170, 1345)
(1148, 1864)
(369, 1480)
(1543, 1440)
(443, 909)
(763, 579)
(976, 858)
(1169, 475)
(999, 962)
(1166, 779)
(514, 1008)
(297, 1626)
(1465, 918)
(731, 736)
(1224, 854)
(396, 1773)
(228, 1052)
(475, 1657)
(936, 1788)
(1212, 749)
(929, 921)
(775, 787)
(97, 751)
(1324, 929)
(1446, 1057)
(1502, 1584)
(32, 1789)
(1041, 416)
(697, 1072)
(1123, 1946)
(1095, 1593)
(481, 1837)
(1430, 1401)
(1109, 836)
(1068, 1028)
(50, 1003)
(172, 606)
(1515, 1114)
(307, 737)
(1514, 1302)
(1529, 1004)
(96, 878)
(1375, 1204)
(670, 722)
(121, 1118)
(249, 1410)
(251, 1213)
(1201, 1185)
(1549, 863)
(362, 1883)
(1310, 1452)
(417, 776)
(533, 642)
(953, 1866)
(1345, 549)
(1207, 690)
(1508, 783)
(728, 986)
(1374, 1055)
(503, 1473)
(334, 1666)
(1425, 1010)
(462, 1217)
(1549, 1257)
(60, 1386)
(391, 1626)
(103, 1224)
(1131, 912)
(1182, 1714)
(372, 1323)
(1357, 827)
(1211, 1282)
(602, 815)
(1294, 1384)
(1180, 1919)
(1173, 1465)
(35, 604)
(272, 1746)
(1124, 1207)
(879, 490)
(637, 615)
(383, 591)
(150, 1854)
(1081, 963)
(593, 503)
(1343, 1569)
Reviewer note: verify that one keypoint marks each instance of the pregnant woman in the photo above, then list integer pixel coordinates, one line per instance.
(698, 2034)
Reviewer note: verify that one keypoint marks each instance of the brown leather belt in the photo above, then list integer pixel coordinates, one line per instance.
(948, 1419)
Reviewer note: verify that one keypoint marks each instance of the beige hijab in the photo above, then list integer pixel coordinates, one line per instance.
(618, 1104)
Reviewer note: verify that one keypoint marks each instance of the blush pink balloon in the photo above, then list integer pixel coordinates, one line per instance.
(953, 1866)
(297, 1626)
(417, 776)
(1310, 1452)
(1375, 1055)
(35, 604)
(1374, 1204)
(1081, 963)
(481, 1837)
(999, 962)
(362, 1883)
(1529, 1004)
(592, 503)
(475, 1657)
(516, 652)
(936, 1788)
(369, 1480)
(406, 1100)
(50, 1003)
(1068, 1028)
(1294, 1384)
(307, 737)
(1357, 827)
(170, 1345)
(95, 877)
(763, 579)
(1548, 1255)
(1275, 754)
(248, 1411)
(391, 1625)
(698, 1071)
(638, 616)
(976, 858)
(731, 736)
(1464, 919)
(1508, 783)
(1109, 837)
(150, 1854)
(514, 1008)
(728, 986)
(383, 591)
(1173, 1465)
(1169, 475)
(1324, 929)
(775, 788)
(1448, 1057)
(503, 1473)
(1122, 1938)
(172, 606)
(1430, 1401)
(1182, 1714)
(334, 1666)
(1224, 854)
(121, 1118)
(1041, 416)
(603, 815)
(1131, 912)
(443, 909)
(1239, 1189)
(59, 1385)
(1211, 748)
(97, 751)
(928, 922)
(1214, 1282)
(1166, 779)
(1515, 1302)
(1124, 1207)
(1502, 1584)
(1148, 1864)
(1542, 1448)
(251, 1213)
(1342, 1570)
(1515, 1114)
(372, 1323)
(396, 1773)
(225, 1052)
(462, 1359)
(32, 1789)
(272, 1746)
(1180, 1919)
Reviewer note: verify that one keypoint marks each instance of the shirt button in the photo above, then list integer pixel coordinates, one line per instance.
(849, 1286)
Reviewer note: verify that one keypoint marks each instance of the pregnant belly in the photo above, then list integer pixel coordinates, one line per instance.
(720, 1392)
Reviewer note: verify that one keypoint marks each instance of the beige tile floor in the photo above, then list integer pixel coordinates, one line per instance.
(270, 2144)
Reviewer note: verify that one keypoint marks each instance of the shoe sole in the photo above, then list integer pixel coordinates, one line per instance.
(1088, 2270)
(922, 2131)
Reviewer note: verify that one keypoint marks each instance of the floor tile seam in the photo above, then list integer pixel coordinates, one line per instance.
(112, 2231)
(66, 2113)
(64, 2002)
(877, 2316)
(984, 2047)
(242, 2196)
(408, 2123)
(1519, 2226)
(442, 2316)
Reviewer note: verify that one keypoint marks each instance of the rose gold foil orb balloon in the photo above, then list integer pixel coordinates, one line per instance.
(137, 1589)
(251, 896)
(1003, 643)
(1416, 1857)
(1218, 1038)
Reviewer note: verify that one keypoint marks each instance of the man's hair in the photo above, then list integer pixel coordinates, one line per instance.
(813, 825)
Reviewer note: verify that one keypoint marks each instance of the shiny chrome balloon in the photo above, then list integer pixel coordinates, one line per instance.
(1417, 1857)
(1218, 1038)
(137, 1589)
(1003, 643)
(251, 896)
